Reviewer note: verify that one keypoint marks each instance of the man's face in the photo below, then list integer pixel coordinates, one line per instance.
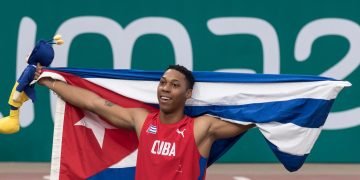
(172, 91)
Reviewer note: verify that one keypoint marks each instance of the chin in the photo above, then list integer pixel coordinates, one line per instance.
(165, 110)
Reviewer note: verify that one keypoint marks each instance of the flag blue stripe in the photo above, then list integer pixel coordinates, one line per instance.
(115, 173)
(310, 113)
(290, 162)
(200, 76)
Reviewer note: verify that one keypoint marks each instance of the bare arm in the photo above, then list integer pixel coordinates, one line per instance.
(207, 129)
(87, 100)
(222, 129)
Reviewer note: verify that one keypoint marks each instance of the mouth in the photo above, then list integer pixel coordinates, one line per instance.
(164, 99)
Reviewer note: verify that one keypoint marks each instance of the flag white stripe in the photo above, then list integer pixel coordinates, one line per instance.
(128, 161)
(57, 139)
(285, 138)
(231, 94)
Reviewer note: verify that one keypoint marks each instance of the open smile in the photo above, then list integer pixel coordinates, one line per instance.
(164, 99)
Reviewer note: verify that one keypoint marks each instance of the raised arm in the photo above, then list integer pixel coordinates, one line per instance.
(223, 129)
(207, 129)
(87, 100)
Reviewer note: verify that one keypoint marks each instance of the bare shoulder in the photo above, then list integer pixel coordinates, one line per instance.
(202, 134)
(207, 117)
(139, 114)
(205, 120)
(203, 123)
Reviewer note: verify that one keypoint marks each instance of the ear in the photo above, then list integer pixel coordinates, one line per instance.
(188, 93)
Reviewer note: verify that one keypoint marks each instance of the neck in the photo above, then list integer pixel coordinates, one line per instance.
(171, 118)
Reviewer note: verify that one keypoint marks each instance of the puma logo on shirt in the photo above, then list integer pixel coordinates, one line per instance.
(181, 132)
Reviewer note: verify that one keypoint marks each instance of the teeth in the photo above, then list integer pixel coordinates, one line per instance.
(164, 98)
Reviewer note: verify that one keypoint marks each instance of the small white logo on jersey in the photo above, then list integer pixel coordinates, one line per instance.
(152, 129)
(181, 132)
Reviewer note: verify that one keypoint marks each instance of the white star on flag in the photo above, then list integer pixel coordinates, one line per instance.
(97, 125)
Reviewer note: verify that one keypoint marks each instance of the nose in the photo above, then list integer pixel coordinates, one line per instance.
(166, 87)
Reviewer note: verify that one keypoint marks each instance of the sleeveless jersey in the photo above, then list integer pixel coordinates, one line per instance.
(168, 151)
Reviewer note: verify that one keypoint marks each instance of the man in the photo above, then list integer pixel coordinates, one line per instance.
(171, 144)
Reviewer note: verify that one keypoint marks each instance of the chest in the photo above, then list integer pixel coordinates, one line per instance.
(167, 141)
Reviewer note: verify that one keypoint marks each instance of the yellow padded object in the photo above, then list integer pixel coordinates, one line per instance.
(20, 100)
(10, 124)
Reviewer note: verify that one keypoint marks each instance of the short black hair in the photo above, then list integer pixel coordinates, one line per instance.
(187, 73)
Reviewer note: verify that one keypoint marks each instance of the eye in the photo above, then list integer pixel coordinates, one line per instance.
(175, 85)
(162, 82)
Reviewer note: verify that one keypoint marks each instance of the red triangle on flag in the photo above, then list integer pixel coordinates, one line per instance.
(85, 151)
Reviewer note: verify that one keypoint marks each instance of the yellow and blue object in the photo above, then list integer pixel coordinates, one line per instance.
(43, 53)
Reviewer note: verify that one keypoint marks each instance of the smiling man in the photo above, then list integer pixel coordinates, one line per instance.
(172, 145)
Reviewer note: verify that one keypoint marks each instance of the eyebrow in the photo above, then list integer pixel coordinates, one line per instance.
(174, 80)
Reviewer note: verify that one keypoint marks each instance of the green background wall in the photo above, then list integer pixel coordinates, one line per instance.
(210, 52)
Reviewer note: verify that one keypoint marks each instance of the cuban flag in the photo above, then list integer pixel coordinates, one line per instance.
(289, 110)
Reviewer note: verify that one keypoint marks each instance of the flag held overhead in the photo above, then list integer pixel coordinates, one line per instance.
(289, 111)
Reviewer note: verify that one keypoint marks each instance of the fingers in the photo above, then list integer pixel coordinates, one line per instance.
(37, 75)
(43, 81)
(38, 71)
(46, 81)
(39, 68)
(38, 65)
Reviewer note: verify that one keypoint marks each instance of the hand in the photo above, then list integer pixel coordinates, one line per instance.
(38, 71)
(42, 81)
